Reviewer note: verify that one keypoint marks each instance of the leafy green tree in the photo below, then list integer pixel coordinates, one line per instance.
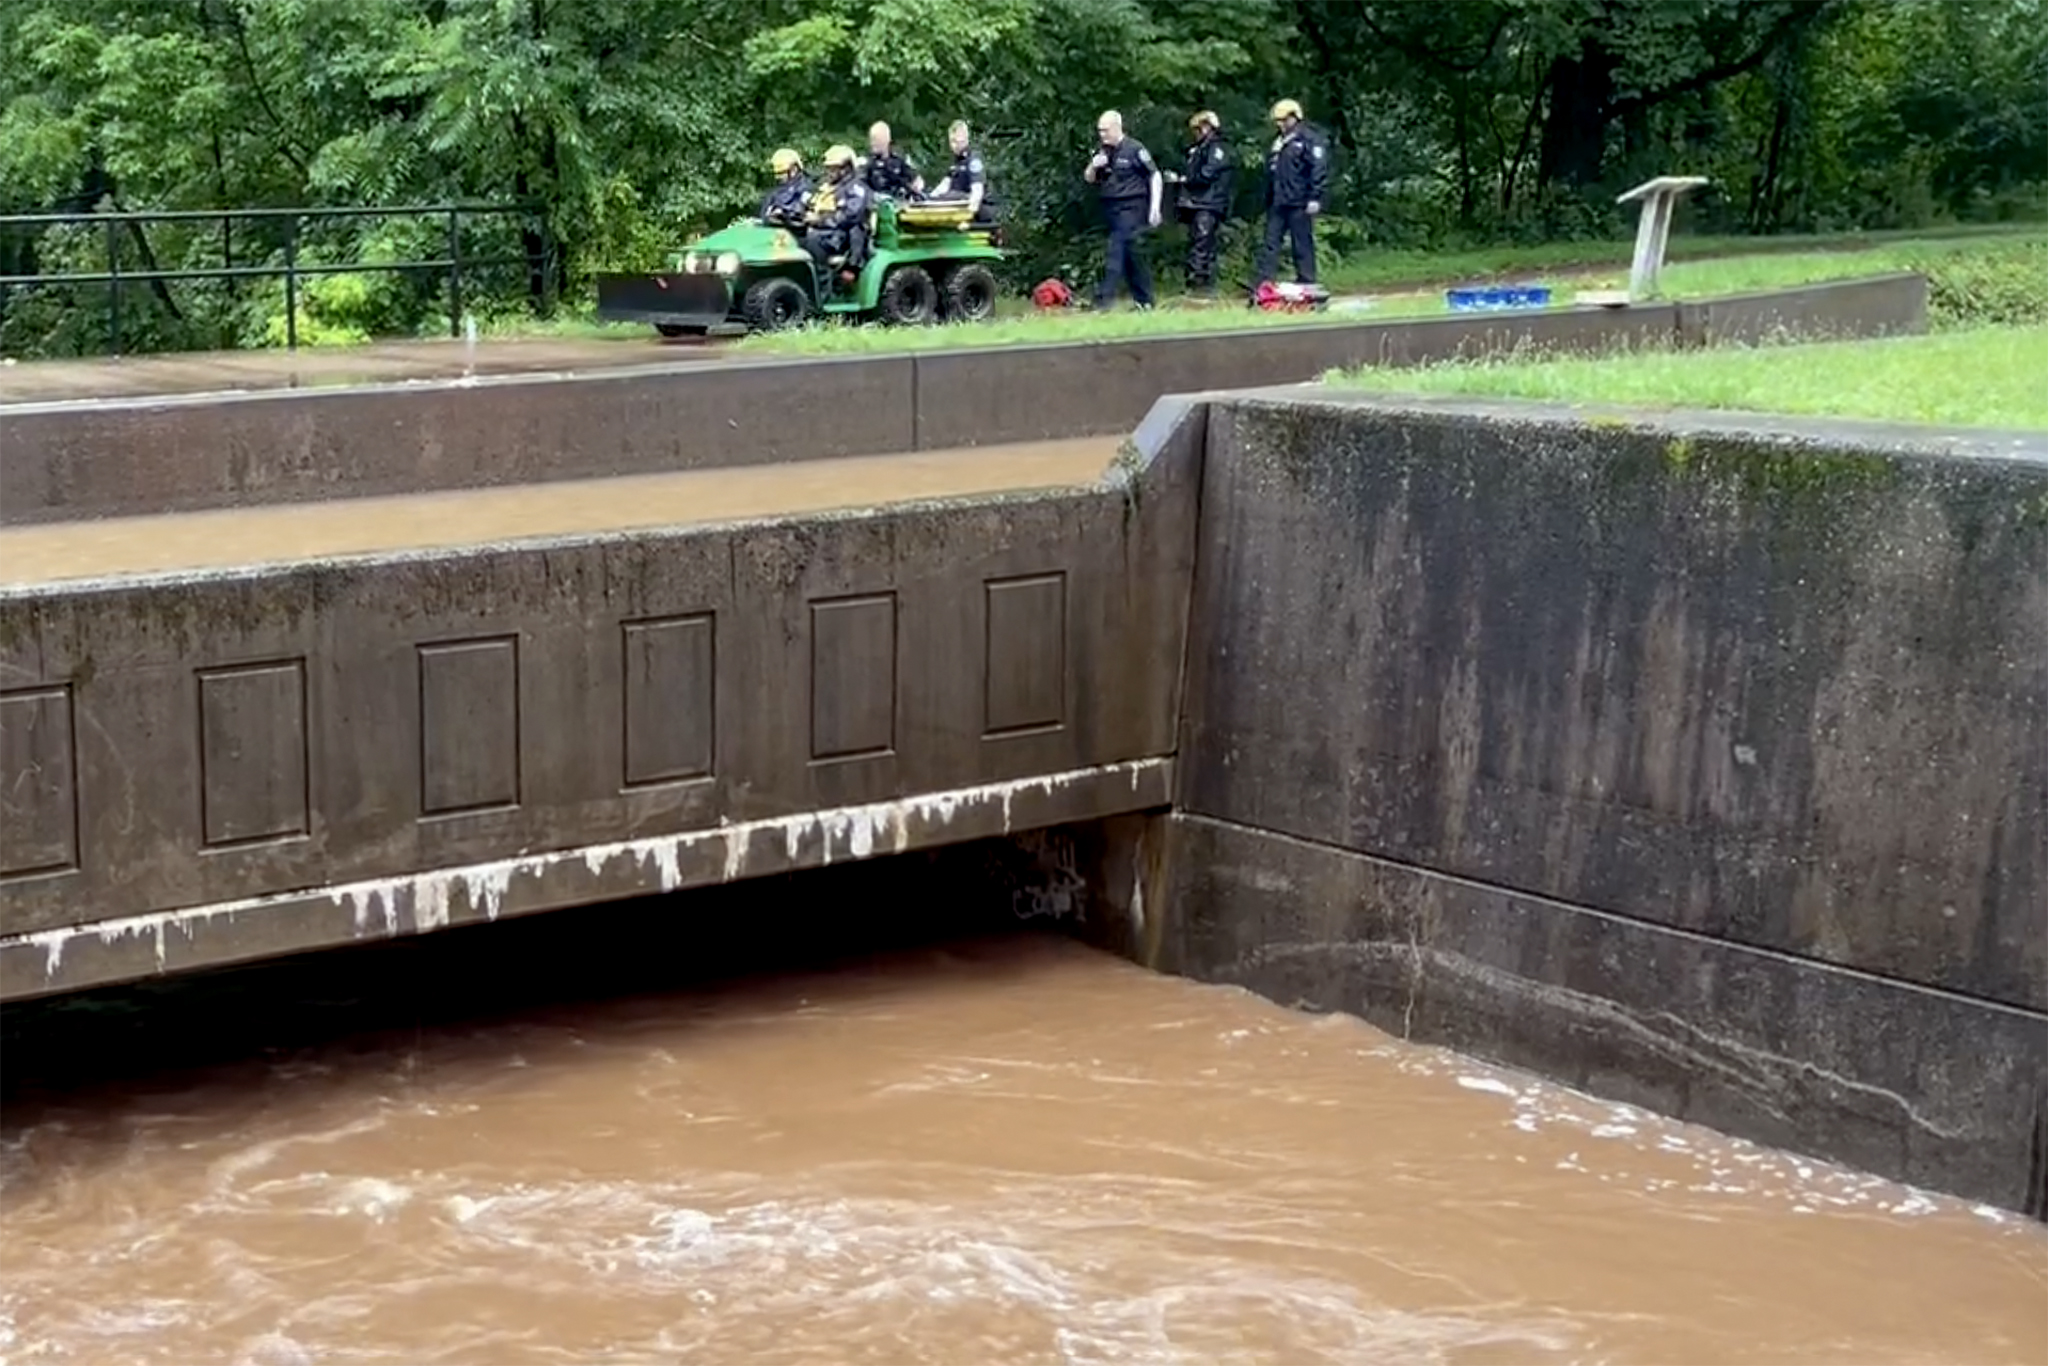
(629, 123)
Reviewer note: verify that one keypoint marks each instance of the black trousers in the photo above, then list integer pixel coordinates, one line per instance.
(1204, 227)
(1288, 221)
(1126, 258)
(825, 243)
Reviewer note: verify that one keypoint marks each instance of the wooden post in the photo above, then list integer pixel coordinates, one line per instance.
(1653, 228)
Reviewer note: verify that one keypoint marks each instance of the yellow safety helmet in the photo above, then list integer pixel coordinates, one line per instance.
(1287, 109)
(1206, 119)
(785, 160)
(839, 154)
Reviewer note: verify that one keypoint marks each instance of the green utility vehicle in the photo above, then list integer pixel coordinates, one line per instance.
(923, 262)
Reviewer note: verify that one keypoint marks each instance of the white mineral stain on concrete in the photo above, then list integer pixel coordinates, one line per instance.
(653, 864)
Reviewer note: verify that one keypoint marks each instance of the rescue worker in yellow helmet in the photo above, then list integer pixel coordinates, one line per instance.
(1297, 186)
(1203, 200)
(838, 217)
(784, 206)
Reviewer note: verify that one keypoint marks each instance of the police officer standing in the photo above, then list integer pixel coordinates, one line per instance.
(1130, 183)
(1204, 199)
(1297, 182)
(888, 171)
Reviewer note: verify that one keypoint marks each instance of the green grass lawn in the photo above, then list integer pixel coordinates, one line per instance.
(1985, 377)
(1771, 264)
(1783, 269)
(1605, 264)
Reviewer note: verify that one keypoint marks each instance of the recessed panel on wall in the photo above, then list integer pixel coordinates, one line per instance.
(469, 725)
(1026, 660)
(670, 673)
(38, 782)
(252, 753)
(853, 676)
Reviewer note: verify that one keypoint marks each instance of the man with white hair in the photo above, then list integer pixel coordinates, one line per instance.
(887, 170)
(1130, 183)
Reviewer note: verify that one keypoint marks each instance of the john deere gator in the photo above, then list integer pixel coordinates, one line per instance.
(924, 262)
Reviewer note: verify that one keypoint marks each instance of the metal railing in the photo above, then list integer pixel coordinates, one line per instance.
(294, 220)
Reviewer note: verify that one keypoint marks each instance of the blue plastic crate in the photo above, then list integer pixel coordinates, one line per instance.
(1489, 298)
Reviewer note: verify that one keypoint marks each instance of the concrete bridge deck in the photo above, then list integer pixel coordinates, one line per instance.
(244, 730)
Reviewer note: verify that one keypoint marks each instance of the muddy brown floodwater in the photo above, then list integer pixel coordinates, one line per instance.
(1009, 1150)
(249, 536)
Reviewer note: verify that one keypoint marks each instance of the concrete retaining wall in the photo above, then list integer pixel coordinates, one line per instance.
(1880, 306)
(1701, 763)
(438, 737)
(128, 457)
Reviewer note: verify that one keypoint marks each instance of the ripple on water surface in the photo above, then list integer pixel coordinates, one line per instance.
(1018, 1151)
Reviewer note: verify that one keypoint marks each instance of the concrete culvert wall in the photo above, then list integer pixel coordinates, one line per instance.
(64, 459)
(1703, 764)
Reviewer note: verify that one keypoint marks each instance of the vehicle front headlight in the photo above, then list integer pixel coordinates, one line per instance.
(728, 263)
(692, 263)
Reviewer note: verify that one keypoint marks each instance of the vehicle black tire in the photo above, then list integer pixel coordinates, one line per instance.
(775, 305)
(971, 294)
(909, 298)
(679, 330)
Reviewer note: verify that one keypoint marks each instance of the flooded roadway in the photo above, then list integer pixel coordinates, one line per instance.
(248, 537)
(1007, 1149)
(387, 362)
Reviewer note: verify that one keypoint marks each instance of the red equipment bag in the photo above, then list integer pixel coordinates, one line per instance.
(1052, 294)
(1291, 298)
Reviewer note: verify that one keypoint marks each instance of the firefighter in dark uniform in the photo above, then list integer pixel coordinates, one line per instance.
(1204, 200)
(888, 171)
(1297, 185)
(967, 178)
(838, 210)
(784, 206)
(1130, 183)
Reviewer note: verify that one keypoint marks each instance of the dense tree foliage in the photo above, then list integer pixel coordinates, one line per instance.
(627, 123)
